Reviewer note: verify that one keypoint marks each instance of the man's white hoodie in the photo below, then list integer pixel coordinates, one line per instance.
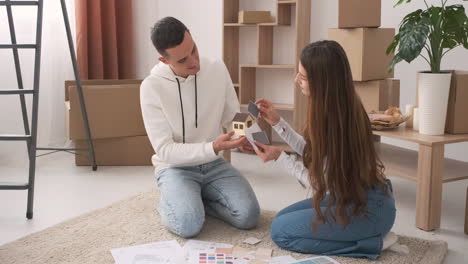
(197, 107)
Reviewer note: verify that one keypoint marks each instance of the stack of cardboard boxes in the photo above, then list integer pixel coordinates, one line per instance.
(115, 120)
(365, 44)
(457, 109)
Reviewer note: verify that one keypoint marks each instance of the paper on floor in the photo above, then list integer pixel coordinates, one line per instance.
(252, 241)
(316, 260)
(282, 260)
(263, 255)
(156, 253)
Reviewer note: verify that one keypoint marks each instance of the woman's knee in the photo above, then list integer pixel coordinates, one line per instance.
(277, 233)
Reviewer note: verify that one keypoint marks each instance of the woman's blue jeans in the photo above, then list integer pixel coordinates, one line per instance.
(363, 237)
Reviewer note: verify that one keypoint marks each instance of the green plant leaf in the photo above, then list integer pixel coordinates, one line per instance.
(394, 44)
(396, 59)
(455, 27)
(407, 1)
(413, 36)
(411, 18)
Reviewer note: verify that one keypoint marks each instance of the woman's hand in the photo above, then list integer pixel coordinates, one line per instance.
(247, 148)
(268, 112)
(267, 153)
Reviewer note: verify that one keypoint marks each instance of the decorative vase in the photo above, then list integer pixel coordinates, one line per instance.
(433, 99)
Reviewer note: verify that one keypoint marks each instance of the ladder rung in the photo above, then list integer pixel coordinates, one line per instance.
(63, 149)
(17, 91)
(13, 186)
(18, 3)
(14, 137)
(18, 46)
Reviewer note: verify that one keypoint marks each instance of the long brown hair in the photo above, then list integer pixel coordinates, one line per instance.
(339, 152)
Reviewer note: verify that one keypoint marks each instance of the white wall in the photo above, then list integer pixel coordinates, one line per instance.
(145, 15)
(204, 18)
(55, 68)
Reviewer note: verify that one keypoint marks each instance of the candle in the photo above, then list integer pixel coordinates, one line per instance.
(416, 119)
(409, 112)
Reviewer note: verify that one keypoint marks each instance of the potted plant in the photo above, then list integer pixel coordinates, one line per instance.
(435, 30)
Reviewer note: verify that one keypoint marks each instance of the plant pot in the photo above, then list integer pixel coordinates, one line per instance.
(433, 99)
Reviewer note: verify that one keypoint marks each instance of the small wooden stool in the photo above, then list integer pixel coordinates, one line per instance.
(466, 212)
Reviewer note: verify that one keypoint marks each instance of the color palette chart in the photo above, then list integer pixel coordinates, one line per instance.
(215, 258)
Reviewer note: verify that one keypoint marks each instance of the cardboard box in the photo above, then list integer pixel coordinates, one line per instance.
(113, 111)
(457, 110)
(366, 51)
(71, 83)
(359, 13)
(67, 119)
(254, 17)
(379, 95)
(125, 151)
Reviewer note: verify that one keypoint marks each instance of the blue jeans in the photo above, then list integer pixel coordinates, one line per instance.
(362, 237)
(214, 188)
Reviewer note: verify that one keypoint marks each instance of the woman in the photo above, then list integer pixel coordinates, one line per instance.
(352, 207)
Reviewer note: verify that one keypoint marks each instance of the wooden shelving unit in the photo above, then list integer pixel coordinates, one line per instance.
(244, 76)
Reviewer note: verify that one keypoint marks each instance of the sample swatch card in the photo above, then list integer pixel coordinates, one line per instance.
(216, 258)
(253, 109)
(261, 137)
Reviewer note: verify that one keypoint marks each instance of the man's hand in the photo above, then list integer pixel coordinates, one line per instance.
(267, 153)
(224, 142)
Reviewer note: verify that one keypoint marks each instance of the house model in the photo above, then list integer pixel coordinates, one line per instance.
(241, 121)
(245, 124)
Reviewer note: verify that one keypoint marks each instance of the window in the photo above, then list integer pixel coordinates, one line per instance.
(236, 126)
(249, 123)
(241, 126)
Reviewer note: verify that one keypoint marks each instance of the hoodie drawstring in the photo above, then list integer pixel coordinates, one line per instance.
(196, 103)
(182, 108)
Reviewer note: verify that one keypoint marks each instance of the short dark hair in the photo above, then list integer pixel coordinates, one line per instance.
(167, 33)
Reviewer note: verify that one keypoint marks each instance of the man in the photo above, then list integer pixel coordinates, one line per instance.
(186, 102)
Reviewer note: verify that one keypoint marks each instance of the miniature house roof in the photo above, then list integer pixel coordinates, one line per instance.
(241, 117)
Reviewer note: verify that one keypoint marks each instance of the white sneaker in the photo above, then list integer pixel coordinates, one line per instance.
(389, 239)
(390, 242)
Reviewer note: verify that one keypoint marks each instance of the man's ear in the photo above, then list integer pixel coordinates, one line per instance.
(163, 60)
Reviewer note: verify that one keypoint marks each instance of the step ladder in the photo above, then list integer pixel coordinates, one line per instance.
(30, 135)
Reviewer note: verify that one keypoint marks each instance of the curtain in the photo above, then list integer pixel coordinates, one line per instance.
(104, 39)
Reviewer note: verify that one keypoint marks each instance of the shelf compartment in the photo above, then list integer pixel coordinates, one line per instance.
(247, 84)
(403, 163)
(231, 11)
(265, 45)
(231, 51)
(283, 13)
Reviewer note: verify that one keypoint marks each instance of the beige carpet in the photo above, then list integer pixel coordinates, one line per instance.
(89, 238)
